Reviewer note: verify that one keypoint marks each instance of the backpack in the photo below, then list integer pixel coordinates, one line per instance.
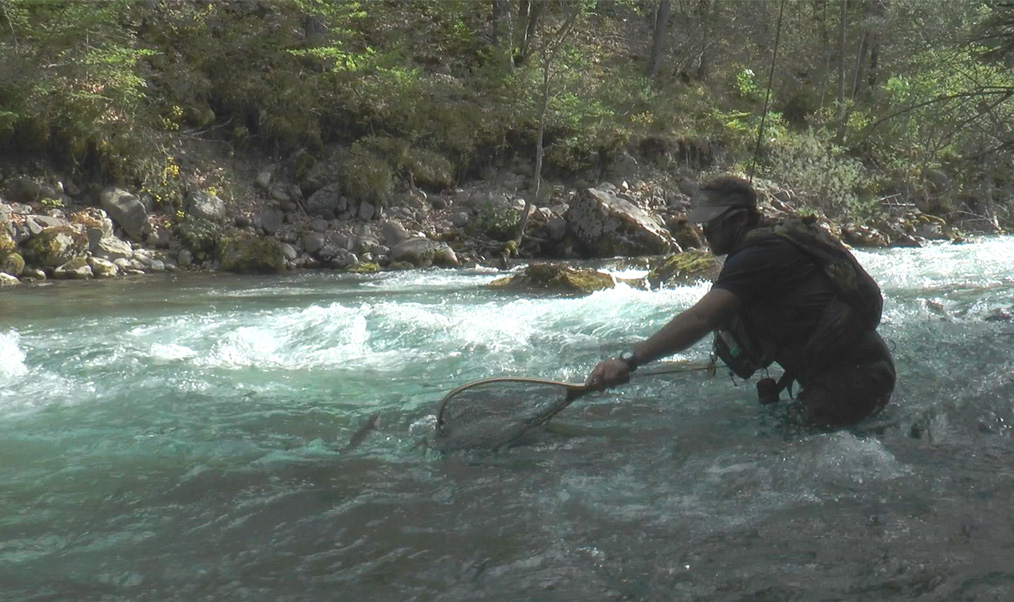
(855, 288)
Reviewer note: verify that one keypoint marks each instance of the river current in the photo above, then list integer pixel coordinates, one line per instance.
(201, 438)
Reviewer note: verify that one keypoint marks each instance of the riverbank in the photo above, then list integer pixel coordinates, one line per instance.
(250, 215)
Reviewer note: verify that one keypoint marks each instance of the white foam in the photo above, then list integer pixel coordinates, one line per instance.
(13, 364)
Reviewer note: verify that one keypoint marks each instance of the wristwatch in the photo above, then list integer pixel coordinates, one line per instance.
(629, 358)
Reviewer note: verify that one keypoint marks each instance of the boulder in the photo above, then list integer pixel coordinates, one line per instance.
(327, 202)
(685, 268)
(422, 252)
(112, 248)
(8, 280)
(606, 225)
(102, 268)
(75, 269)
(12, 264)
(251, 255)
(126, 210)
(206, 206)
(55, 246)
(559, 279)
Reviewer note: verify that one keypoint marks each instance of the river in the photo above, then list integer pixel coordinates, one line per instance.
(186, 438)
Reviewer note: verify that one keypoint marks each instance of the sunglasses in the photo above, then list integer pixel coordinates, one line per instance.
(721, 218)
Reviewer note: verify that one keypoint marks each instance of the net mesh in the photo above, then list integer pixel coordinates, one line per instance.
(490, 414)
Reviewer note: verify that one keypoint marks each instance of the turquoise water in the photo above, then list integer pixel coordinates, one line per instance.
(186, 438)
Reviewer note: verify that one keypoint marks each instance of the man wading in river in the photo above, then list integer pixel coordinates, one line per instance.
(788, 294)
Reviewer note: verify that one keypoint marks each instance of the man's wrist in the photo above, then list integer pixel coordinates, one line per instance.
(630, 358)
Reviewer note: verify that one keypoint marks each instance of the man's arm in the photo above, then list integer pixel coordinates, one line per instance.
(686, 328)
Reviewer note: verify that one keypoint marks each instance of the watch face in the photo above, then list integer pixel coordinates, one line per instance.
(628, 356)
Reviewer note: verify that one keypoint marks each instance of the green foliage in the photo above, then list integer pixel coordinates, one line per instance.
(821, 173)
(84, 100)
(199, 235)
(498, 222)
(365, 176)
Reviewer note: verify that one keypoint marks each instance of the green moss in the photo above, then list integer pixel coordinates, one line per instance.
(11, 263)
(684, 268)
(559, 279)
(247, 254)
(365, 268)
(54, 246)
(7, 244)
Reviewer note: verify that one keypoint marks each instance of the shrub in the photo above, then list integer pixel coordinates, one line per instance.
(820, 173)
(365, 176)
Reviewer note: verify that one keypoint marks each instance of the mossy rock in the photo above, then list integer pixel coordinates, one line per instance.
(247, 254)
(365, 268)
(7, 244)
(560, 279)
(199, 235)
(684, 268)
(11, 263)
(55, 246)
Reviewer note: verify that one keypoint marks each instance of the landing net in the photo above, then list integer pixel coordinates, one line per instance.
(492, 413)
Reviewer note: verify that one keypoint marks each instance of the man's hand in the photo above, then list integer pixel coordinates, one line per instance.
(608, 373)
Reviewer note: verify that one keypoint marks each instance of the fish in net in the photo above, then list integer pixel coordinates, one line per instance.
(491, 413)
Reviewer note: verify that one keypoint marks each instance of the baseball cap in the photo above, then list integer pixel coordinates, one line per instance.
(720, 195)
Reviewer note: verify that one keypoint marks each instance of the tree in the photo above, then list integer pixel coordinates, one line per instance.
(553, 42)
(661, 30)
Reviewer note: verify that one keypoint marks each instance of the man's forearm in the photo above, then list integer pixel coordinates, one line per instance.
(690, 326)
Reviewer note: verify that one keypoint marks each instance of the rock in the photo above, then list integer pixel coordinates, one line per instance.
(75, 269)
(126, 210)
(263, 180)
(248, 254)
(393, 233)
(420, 252)
(206, 206)
(112, 248)
(37, 223)
(366, 211)
(102, 268)
(289, 252)
(684, 268)
(560, 279)
(606, 226)
(12, 264)
(312, 242)
(269, 220)
(327, 202)
(55, 246)
(8, 280)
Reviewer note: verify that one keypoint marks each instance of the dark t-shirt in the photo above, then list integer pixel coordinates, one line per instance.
(783, 291)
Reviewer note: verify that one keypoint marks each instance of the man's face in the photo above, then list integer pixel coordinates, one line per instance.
(721, 231)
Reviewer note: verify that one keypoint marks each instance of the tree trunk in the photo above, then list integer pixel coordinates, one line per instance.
(659, 37)
(841, 68)
(528, 23)
(503, 30)
(705, 14)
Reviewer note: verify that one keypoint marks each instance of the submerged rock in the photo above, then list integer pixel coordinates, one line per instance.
(552, 278)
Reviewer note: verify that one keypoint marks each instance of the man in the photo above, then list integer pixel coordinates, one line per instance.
(779, 304)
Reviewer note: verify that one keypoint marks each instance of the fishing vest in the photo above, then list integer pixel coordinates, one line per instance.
(855, 309)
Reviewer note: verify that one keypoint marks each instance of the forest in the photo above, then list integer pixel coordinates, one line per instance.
(854, 105)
